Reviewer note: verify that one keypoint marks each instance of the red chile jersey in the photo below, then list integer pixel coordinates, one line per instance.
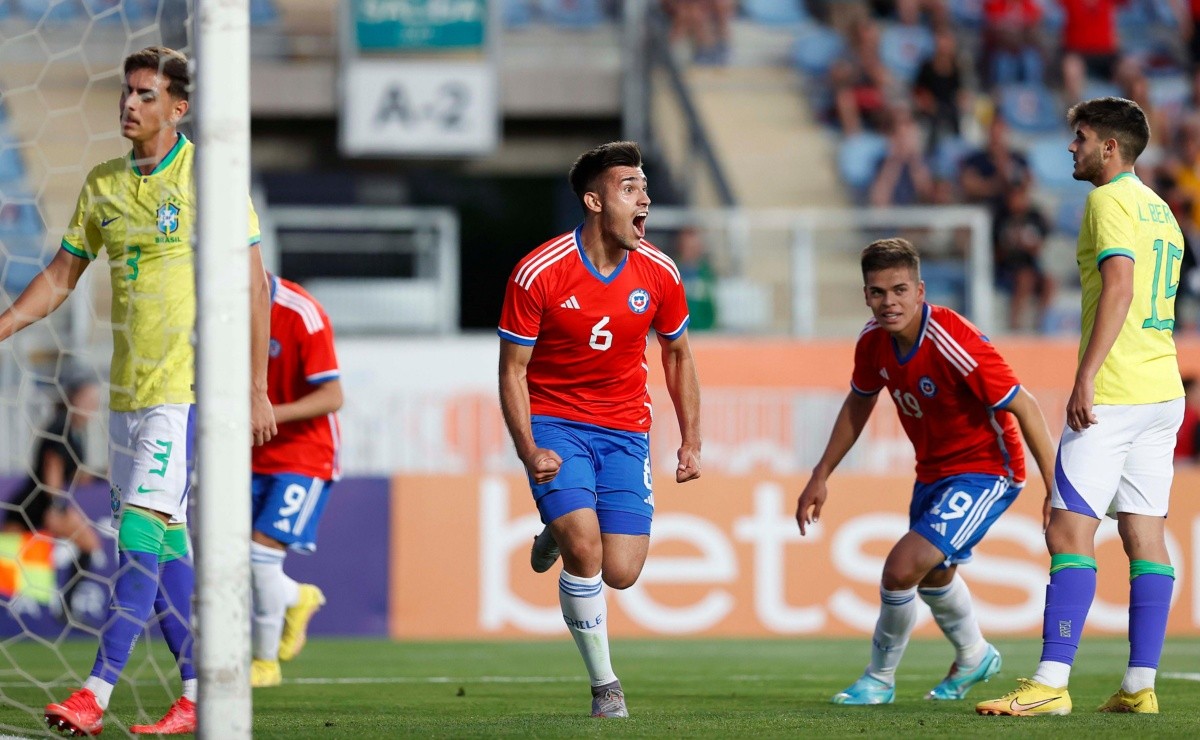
(588, 332)
(301, 358)
(950, 391)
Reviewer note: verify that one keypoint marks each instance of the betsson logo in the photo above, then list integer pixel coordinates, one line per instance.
(777, 553)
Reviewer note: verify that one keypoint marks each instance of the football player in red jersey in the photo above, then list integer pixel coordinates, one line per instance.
(576, 316)
(960, 404)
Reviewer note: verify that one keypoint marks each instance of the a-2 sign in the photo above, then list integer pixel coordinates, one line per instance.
(403, 108)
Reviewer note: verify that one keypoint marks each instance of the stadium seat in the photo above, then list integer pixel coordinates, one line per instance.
(516, 13)
(858, 159)
(20, 245)
(52, 11)
(263, 13)
(902, 48)
(775, 12)
(579, 14)
(816, 48)
(1069, 212)
(946, 157)
(1094, 88)
(1031, 109)
(12, 168)
(967, 14)
(1051, 162)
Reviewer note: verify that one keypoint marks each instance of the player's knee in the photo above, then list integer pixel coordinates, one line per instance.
(898, 578)
(621, 578)
(582, 556)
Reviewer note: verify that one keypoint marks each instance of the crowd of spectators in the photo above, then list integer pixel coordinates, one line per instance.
(964, 101)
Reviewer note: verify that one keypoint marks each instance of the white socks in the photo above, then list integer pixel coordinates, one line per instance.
(586, 614)
(955, 614)
(1052, 673)
(1138, 678)
(101, 688)
(189, 689)
(897, 616)
(274, 592)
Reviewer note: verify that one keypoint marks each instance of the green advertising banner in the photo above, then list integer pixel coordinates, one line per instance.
(419, 25)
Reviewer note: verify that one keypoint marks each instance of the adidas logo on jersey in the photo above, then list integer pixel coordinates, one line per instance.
(883, 373)
(283, 525)
(569, 303)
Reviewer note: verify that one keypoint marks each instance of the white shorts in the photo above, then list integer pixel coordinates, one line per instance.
(148, 459)
(1123, 464)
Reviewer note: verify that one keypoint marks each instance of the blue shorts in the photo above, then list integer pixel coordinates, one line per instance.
(606, 470)
(955, 513)
(287, 507)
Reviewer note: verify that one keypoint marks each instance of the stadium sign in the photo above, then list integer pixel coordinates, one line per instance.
(409, 108)
(419, 25)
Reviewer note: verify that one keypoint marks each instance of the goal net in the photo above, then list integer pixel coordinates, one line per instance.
(60, 81)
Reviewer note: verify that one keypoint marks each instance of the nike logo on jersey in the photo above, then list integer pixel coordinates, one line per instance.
(108, 221)
(569, 303)
(143, 489)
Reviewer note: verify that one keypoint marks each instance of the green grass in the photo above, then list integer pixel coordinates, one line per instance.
(690, 688)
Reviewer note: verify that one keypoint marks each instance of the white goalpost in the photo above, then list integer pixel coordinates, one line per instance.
(222, 494)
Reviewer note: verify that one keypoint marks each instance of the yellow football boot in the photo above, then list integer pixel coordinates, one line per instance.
(295, 621)
(1139, 702)
(1029, 699)
(265, 673)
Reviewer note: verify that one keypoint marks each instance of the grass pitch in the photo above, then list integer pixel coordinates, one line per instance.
(689, 688)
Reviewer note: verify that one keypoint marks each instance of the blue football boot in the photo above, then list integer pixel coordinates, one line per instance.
(958, 682)
(866, 690)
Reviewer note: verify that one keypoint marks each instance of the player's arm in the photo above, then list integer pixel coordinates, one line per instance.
(53, 474)
(44, 294)
(683, 384)
(1037, 438)
(541, 463)
(851, 421)
(1116, 296)
(324, 399)
(262, 417)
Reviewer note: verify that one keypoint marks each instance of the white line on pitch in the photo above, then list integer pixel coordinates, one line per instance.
(1182, 676)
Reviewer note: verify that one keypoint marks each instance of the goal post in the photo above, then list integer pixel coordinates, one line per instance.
(222, 493)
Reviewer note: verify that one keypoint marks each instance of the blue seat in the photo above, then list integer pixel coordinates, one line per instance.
(1094, 88)
(52, 11)
(858, 159)
(775, 12)
(20, 219)
(516, 13)
(946, 157)
(967, 14)
(1051, 162)
(21, 245)
(579, 14)
(12, 168)
(903, 48)
(816, 48)
(1068, 214)
(263, 13)
(1031, 109)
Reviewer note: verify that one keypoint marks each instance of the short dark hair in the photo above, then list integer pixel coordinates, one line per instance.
(595, 162)
(167, 62)
(1114, 118)
(884, 254)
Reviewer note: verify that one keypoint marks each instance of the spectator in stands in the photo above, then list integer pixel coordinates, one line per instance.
(1182, 172)
(699, 278)
(903, 177)
(861, 81)
(44, 502)
(705, 24)
(987, 174)
(938, 93)
(1010, 49)
(1090, 46)
(1187, 439)
(1019, 233)
(1131, 78)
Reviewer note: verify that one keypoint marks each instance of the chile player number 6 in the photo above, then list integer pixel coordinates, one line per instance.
(601, 338)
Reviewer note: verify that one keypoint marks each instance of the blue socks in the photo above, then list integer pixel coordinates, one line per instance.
(176, 583)
(1068, 599)
(1150, 586)
(132, 599)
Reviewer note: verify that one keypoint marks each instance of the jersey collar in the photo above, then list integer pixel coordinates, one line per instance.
(588, 263)
(166, 161)
(1122, 176)
(920, 337)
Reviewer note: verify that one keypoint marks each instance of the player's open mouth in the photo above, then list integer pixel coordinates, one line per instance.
(639, 225)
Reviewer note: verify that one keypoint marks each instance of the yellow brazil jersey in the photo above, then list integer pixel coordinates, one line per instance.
(146, 224)
(1126, 219)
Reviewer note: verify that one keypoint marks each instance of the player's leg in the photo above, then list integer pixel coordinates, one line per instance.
(1142, 503)
(963, 510)
(286, 511)
(1086, 476)
(148, 471)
